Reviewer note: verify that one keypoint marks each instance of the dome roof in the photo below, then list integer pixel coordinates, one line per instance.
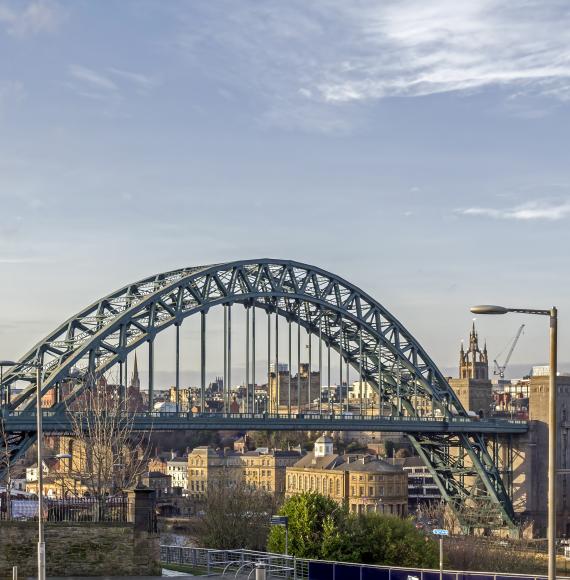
(324, 439)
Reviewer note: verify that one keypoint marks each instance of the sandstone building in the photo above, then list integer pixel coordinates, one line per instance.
(473, 387)
(262, 469)
(364, 482)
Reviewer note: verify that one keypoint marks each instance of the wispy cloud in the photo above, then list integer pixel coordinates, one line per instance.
(28, 18)
(92, 78)
(110, 85)
(414, 48)
(140, 80)
(333, 53)
(532, 210)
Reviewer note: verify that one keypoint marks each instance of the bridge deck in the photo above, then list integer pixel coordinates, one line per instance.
(57, 421)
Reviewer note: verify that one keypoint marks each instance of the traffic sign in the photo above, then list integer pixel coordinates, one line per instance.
(440, 532)
(279, 520)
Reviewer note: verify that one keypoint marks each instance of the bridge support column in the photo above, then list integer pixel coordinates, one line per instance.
(150, 374)
(202, 361)
(310, 347)
(247, 406)
(253, 356)
(320, 395)
(290, 369)
(277, 381)
(177, 380)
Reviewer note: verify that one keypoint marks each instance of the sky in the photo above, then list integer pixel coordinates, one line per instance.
(418, 149)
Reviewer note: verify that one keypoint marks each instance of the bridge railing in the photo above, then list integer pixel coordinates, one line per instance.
(301, 416)
(281, 566)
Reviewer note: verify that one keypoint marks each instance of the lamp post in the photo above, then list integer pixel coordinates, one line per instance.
(552, 313)
(74, 373)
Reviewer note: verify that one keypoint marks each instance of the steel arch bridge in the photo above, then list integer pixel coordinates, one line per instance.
(346, 319)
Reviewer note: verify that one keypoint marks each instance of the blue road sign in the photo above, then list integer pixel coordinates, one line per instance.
(279, 520)
(440, 532)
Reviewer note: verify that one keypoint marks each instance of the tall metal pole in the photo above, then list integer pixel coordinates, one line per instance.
(150, 373)
(360, 367)
(177, 368)
(310, 338)
(380, 378)
(320, 363)
(269, 361)
(299, 359)
(40, 439)
(440, 557)
(126, 399)
(347, 379)
(329, 373)
(277, 384)
(247, 359)
(122, 390)
(225, 386)
(340, 363)
(552, 432)
(229, 356)
(202, 361)
(253, 351)
(290, 371)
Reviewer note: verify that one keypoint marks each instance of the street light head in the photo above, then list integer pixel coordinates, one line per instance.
(7, 363)
(489, 309)
(74, 373)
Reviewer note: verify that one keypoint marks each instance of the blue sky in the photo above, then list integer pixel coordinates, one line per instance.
(418, 149)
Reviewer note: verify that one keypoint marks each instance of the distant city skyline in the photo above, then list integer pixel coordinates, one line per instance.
(417, 150)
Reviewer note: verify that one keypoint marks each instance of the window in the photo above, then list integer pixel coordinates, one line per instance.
(370, 491)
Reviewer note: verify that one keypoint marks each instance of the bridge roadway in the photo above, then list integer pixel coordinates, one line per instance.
(60, 422)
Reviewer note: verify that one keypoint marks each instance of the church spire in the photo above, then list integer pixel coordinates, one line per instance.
(135, 380)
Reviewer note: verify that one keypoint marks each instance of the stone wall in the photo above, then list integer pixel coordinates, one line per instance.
(79, 550)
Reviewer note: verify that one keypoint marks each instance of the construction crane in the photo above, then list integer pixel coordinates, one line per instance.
(500, 369)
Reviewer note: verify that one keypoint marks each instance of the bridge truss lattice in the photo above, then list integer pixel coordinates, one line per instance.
(347, 320)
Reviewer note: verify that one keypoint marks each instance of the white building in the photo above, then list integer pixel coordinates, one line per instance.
(368, 390)
(177, 468)
(32, 472)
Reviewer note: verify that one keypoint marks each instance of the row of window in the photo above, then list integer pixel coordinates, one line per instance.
(321, 484)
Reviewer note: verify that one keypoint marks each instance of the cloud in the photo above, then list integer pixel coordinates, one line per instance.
(29, 18)
(138, 79)
(109, 86)
(92, 78)
(532, 210)
(417, 48)
(334, 53)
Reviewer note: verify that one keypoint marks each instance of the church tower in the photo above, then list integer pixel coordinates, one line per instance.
(473, 364)
(473, 387)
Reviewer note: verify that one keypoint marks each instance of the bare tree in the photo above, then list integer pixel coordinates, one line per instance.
(5, 462)
(107, 454)
(236, 515)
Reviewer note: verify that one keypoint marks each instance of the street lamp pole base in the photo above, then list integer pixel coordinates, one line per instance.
(41, 561)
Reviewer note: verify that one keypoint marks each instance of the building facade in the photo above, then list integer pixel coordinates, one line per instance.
(177, 469)
(365, 482)
(304, 390)
(266, 469)
(262, 469)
